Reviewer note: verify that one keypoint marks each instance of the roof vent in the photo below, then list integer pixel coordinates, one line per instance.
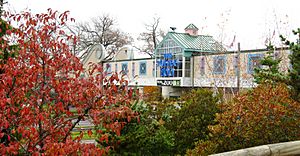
(173, 28)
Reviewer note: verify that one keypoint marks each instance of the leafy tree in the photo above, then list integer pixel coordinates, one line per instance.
(39, 85)
(270, 71)
(264, 115)
(294, 72)
(190, 124)
(6, 52)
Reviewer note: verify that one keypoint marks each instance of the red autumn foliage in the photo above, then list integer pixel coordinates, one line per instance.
(38, 87)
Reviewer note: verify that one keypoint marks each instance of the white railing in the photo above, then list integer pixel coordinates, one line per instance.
(280, 149)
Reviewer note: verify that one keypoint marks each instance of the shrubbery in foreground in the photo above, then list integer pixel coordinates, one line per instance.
(265, 115)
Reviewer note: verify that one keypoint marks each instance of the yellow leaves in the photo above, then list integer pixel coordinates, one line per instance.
(215, 128)
(238, 121)
(161, 122)
(267, 110)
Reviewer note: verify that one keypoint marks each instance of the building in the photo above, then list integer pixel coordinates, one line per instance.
(188, 60)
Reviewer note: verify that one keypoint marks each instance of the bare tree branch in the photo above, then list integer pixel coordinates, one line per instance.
(151, 37)
(101, 30)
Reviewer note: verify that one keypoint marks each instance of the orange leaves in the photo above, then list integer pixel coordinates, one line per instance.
(264, 115)
(5, 124)
(42, 85)
(104, 137)
(7, 100)
(90, 133)
(61, 32)
(128, 118)
(63, 17)
(72, 148)
(60, 107)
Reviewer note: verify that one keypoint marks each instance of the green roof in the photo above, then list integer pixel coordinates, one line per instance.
(199, 43)
(191, 26)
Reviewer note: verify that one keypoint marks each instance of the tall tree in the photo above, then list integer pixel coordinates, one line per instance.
(151, 37)
(270, 71)
(294, 72)
(102, 30)
(38, 86)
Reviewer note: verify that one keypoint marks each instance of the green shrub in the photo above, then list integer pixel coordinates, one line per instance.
(146, 137)
(190, 123)
(152, 139)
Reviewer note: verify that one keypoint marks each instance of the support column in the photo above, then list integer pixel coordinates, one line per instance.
(168, 91)
(165, 91)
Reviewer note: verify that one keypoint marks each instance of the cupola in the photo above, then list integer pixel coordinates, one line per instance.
(191, 29)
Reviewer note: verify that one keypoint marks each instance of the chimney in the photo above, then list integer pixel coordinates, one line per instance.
(192, 30)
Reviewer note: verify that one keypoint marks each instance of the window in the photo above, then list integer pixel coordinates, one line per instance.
(219, 65)
(116, 67)
(254, 62)
(153, 68)
(108, 69)
(124, 68)
(202, 66)
(143, 68)
(235, 64)
(187, 67)
(133, 69)
(168, 59)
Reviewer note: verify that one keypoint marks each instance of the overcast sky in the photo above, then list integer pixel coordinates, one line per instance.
(251, 21)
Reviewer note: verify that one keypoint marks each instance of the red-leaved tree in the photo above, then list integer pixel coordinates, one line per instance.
(40, 84)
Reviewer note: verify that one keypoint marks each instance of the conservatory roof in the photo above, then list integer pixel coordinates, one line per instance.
(199, 43)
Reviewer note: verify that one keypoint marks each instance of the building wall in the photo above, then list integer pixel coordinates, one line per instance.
(229, 77)
(125, 53)
(136, 78)
(92, 57)
(209, 78)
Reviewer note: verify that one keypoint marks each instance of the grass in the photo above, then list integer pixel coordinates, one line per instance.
(85, 135)
(78, 127)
